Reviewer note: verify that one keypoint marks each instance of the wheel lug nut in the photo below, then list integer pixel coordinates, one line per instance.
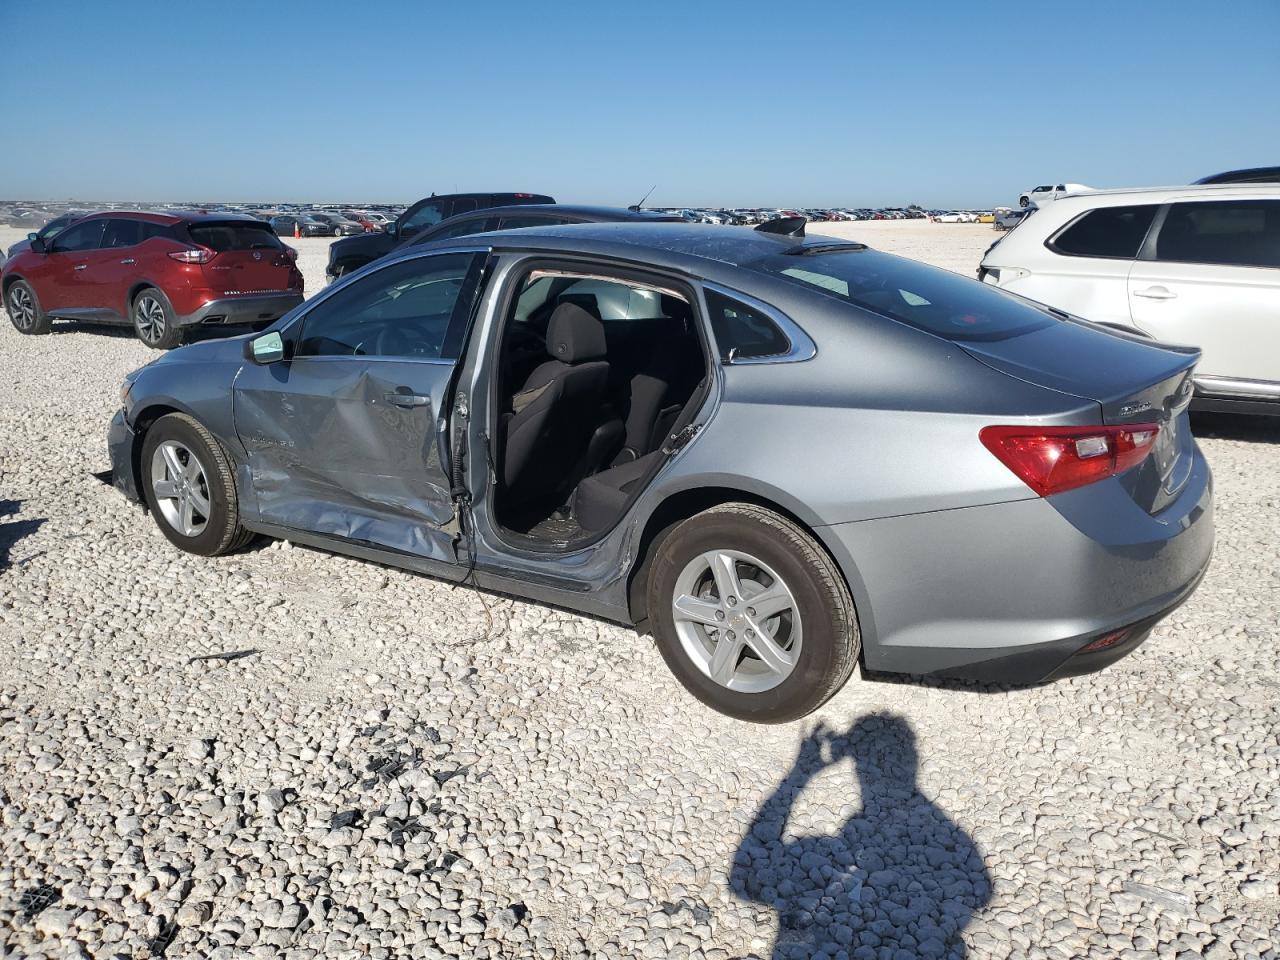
(731, 635)
(719, 614)
(733, 601)
(751, 611)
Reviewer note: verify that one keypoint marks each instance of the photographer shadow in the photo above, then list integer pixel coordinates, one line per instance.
(898, 875)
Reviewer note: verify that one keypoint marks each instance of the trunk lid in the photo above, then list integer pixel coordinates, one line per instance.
(1132, 380)
(250, 258)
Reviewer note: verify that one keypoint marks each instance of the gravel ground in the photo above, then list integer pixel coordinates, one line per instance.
(288, 754)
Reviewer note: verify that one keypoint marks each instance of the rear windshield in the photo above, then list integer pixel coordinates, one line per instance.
(928, 298)
(234, 236)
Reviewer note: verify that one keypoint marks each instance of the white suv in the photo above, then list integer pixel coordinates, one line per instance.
(1195, 265)
(1038, 195)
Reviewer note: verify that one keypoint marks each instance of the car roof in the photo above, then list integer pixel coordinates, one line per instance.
(566, 209)
(1247, 175)
(674, 244)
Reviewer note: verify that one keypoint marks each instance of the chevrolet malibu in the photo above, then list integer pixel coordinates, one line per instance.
(781, 456)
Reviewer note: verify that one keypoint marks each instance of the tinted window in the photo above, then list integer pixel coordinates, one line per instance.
(403, 310)
(938, 301)
(54, 226)
(1115, 232)
(122, 233)
(428, 215)
(150, 230)
(746, 331)
(83, 236)
(234, 236)
(1237, 232)
(463, 229)
(514, 223)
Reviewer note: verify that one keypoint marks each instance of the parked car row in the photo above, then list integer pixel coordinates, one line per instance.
(745, 216)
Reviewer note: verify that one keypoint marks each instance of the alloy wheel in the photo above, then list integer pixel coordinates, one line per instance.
(22, 308)
(181, 488)
(737, 621)
(149, 314)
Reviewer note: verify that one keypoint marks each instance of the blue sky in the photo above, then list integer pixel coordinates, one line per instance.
(938, 103)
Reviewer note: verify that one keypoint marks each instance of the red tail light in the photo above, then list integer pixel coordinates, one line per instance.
(290, 253)
(198, 255)
(1052, 459)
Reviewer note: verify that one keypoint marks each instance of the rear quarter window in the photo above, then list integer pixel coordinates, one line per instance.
(1113, 233)
(743, 330)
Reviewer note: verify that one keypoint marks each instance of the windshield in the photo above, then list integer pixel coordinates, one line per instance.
(235, 236)
(928, 298)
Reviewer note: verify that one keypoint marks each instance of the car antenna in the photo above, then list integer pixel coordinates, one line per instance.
(636, 208)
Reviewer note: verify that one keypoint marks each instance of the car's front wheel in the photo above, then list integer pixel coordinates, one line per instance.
(190, 488)
(24, 309)
(154, 320)
(751, 614)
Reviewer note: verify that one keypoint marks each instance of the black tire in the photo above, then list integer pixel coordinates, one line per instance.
(222, 531)
(831, 640)
(154, 319)
(25, 312)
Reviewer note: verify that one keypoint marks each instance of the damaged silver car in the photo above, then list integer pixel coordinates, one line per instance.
(782, 456)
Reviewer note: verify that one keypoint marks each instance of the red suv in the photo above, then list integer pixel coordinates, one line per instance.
(160, 272)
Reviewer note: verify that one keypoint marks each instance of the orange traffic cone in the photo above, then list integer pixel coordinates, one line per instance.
(297, 230)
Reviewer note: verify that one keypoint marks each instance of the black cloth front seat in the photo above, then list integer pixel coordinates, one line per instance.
(555, 412)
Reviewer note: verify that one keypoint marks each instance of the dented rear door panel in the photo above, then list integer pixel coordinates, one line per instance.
(350, 447)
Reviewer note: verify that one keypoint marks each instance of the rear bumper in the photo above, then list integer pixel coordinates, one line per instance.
(120, 445)
(257, 308)
(1012, 592)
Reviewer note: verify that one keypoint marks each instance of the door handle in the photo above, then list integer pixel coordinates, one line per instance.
(408, 399)
(81, 266)
(130, 260)
(1156, 293)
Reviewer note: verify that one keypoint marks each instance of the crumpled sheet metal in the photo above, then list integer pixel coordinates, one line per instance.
(341, 460)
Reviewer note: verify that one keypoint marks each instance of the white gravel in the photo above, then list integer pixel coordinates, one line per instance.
(288, 754)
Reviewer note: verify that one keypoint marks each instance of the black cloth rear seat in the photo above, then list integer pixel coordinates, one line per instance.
(600, 498)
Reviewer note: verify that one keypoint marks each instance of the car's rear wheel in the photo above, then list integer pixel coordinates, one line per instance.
(154, 320)
(751, 614)
(24, 309)
(189, 486)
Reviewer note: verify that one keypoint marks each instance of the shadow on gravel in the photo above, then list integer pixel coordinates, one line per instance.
(897, 874)
(125, 331)
(955, 684)
(1228, 426)
(14, 530)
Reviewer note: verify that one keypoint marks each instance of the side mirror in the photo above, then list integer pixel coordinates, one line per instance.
(268, 348)
(37, 245)
(392, 229)
(32, 236)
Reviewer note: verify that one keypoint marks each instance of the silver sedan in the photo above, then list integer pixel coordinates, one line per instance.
(780, 455)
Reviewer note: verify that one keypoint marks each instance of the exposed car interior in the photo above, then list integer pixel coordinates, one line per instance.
(595, 374)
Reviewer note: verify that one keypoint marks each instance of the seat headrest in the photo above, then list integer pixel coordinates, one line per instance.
(574, 335)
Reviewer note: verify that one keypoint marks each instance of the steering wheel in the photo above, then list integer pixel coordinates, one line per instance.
(401, 340)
